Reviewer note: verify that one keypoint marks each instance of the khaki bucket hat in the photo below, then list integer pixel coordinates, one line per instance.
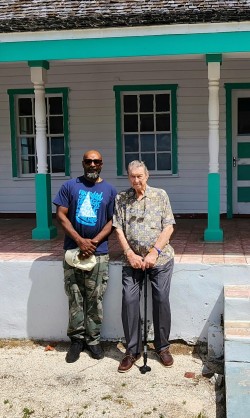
(72, 258)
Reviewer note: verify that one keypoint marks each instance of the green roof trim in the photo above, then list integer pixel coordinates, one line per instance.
(126, 46)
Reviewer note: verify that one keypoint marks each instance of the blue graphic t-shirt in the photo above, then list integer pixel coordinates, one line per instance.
(90, 206)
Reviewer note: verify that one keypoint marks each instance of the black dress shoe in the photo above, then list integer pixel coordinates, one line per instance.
(96, 351)
(75, 348)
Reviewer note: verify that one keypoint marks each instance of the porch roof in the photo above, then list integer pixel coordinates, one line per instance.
(40, 15)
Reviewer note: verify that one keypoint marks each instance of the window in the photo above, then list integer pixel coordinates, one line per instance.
(243, 116)
(24, 155)
(146, 127)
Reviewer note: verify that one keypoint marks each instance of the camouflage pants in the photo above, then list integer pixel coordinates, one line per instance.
(85, 290)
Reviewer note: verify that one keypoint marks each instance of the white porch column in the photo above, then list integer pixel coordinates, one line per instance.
(213, 115)
(39, 78)
(213, 231)
(44, 227)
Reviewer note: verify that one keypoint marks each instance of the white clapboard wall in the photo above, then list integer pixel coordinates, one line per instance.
(92, 123)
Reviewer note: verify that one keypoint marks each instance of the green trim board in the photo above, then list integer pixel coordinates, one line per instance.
(12, 93)
(41, 64)
(44, 229)
(13, 135)
(229, 138)
(214, 58)
(126, 46)
(118, 132)
(141, 88)
(65, 92)
(213, 232)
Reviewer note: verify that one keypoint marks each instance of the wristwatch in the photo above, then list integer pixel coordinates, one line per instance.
(158, 250)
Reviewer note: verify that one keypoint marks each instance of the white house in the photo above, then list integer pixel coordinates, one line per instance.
(165, 83)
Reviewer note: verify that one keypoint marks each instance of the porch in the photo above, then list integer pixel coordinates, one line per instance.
(16, 242)
(34, 304)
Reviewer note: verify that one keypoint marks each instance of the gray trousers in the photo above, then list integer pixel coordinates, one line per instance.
(132, 281)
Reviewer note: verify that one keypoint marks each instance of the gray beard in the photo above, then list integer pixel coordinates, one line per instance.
(92, 175)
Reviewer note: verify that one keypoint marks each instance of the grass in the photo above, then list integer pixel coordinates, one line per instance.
(27, 412)
(106, 397)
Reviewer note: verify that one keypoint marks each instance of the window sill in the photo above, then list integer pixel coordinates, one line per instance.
(33, 178)
(153, 176)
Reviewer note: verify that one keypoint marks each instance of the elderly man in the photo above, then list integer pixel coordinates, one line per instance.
(84, 210)
(144, 221)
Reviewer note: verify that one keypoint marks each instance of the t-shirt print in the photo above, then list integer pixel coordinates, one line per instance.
(87, 206)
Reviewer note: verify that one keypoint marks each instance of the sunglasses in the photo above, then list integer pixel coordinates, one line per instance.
(88, 161)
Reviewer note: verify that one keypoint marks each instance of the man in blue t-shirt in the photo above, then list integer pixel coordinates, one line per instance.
(84, 208)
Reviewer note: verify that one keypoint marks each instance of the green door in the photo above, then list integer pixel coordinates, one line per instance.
(241, 151)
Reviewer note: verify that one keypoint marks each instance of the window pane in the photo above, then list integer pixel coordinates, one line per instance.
(55, 105)
(48, 163)
(130, 103)
(164, 161)
(163, 142)
(25, 107)
(58, 164)
(131, 143)
(28, 165)
(130, 123)
(149, 160)
(129, 158)
(163, 122)
(25, 126)
(146, 103)
(244, 116)
(56, 124)
(147, 143)
(57, 145)
(162, 102)
(27, 146)
(147, 123)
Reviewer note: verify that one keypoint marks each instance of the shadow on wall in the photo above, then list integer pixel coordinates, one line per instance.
(215, 317)
(112, 305)
(196, 298)
(47, 307)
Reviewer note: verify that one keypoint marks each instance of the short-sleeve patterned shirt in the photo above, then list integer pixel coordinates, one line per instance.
(142, 221)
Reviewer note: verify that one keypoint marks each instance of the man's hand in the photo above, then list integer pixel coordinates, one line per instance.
(150, 259)
(136, 261)
(87, 247)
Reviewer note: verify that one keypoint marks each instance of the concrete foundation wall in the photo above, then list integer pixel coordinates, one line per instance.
(34, 305)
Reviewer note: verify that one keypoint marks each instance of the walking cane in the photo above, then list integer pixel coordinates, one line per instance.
(144, 369)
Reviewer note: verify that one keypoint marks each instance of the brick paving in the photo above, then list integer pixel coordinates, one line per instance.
(16, 242)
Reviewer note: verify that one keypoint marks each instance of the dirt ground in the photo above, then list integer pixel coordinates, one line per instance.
(36, 382)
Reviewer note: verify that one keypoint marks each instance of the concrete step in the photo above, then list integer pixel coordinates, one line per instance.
(236, 303)
(237, 389)
(237, 350)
